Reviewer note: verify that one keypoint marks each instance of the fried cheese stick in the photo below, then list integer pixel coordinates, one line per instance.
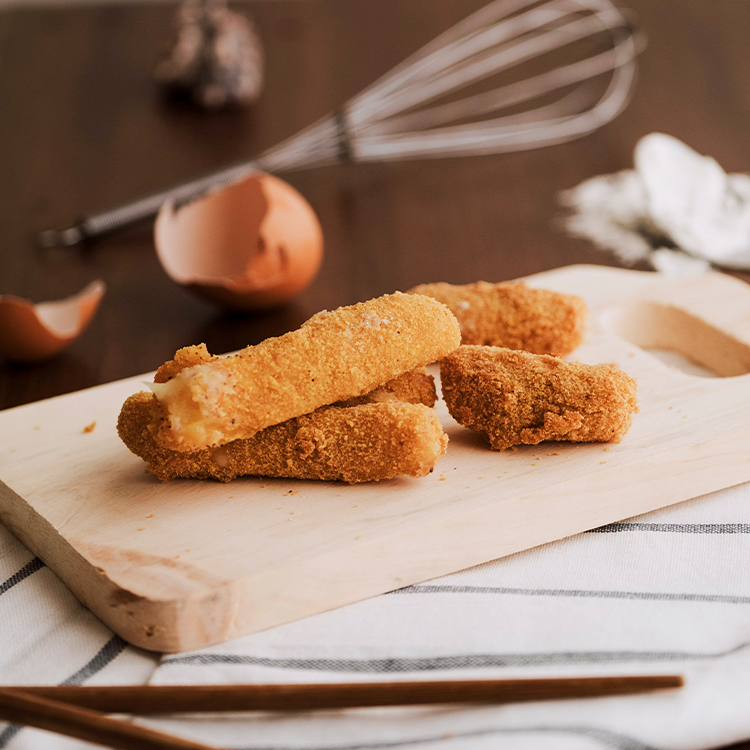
(513, 315)
(362, 443)
(414, 387)
(334, 356)
(518, 398)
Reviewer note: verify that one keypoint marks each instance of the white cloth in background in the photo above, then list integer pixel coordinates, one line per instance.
(677, 209)
(668, 592)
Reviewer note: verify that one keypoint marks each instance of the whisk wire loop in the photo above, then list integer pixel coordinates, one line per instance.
(401, 115)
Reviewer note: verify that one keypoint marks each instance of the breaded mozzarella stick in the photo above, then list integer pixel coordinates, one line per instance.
(334, 356)
(363, 443)
(414, 387)
(517, 398)
(513, 315)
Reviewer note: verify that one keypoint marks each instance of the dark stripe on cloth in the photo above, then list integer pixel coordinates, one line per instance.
(458, 661)
(109, 651)
(604, 737)
(675, 528)
(25, 572)
(582, 593)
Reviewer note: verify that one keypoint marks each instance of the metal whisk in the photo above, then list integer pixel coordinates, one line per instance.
(400, 116)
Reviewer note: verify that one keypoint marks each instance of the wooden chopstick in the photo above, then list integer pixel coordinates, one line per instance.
(153, 699)
(69, 709)
(84, 724)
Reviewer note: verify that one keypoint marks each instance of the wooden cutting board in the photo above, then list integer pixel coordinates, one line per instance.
(182, 565)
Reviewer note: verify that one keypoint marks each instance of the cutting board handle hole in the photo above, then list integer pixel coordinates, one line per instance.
(700, 348)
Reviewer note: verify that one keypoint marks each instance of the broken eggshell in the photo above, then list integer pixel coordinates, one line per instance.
(32, 332)
(254, 244)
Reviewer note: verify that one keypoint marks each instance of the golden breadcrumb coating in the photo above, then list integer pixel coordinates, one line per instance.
(513, 315)
(363, 443)
(414, 387)
(518, 398)
(334, 356)
(188, 356)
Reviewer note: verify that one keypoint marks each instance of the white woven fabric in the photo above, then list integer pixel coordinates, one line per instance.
(668, 592)
(48, 638)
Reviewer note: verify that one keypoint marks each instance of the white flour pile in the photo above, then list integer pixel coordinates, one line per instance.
(677, 209)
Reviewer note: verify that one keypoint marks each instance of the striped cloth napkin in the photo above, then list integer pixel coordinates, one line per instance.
(48, 638)
(668, 592)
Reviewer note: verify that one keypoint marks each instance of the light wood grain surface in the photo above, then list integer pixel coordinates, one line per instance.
(181, 565)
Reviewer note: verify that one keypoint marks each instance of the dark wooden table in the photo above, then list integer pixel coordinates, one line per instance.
(83, 127)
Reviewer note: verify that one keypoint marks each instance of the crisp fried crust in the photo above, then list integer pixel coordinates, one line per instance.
(361, 443)
(513, 315)
(188, 356)
(414, 387)
(517, 398)
(334, 356)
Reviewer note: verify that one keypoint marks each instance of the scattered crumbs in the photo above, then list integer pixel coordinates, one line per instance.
(151, 515)
(357, 538)
(556, 453)
(90, 427)
(291, 492)
(187, 550)
(480, 477)
(176, 556)
(231, 497)
(602, 462)
(671, 407)
(534, 464)
(608, 448)
(468, 486)
(291, 512)
(142, 529)
(442, 477)
(353, 506)
(684, 416)
(263, 486)
(280, 508)
(37, 427)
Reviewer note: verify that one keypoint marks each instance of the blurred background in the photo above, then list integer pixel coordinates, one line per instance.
(84, 126)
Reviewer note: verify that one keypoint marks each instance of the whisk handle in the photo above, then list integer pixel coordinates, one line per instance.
(145, 208)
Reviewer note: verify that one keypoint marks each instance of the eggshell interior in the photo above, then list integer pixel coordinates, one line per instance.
(253, 244)
(32, 332)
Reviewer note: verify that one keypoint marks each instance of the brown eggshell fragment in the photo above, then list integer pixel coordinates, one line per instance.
(254, 244)
(32, 332)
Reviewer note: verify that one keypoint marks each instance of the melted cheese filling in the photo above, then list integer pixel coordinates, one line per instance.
(193, 400)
